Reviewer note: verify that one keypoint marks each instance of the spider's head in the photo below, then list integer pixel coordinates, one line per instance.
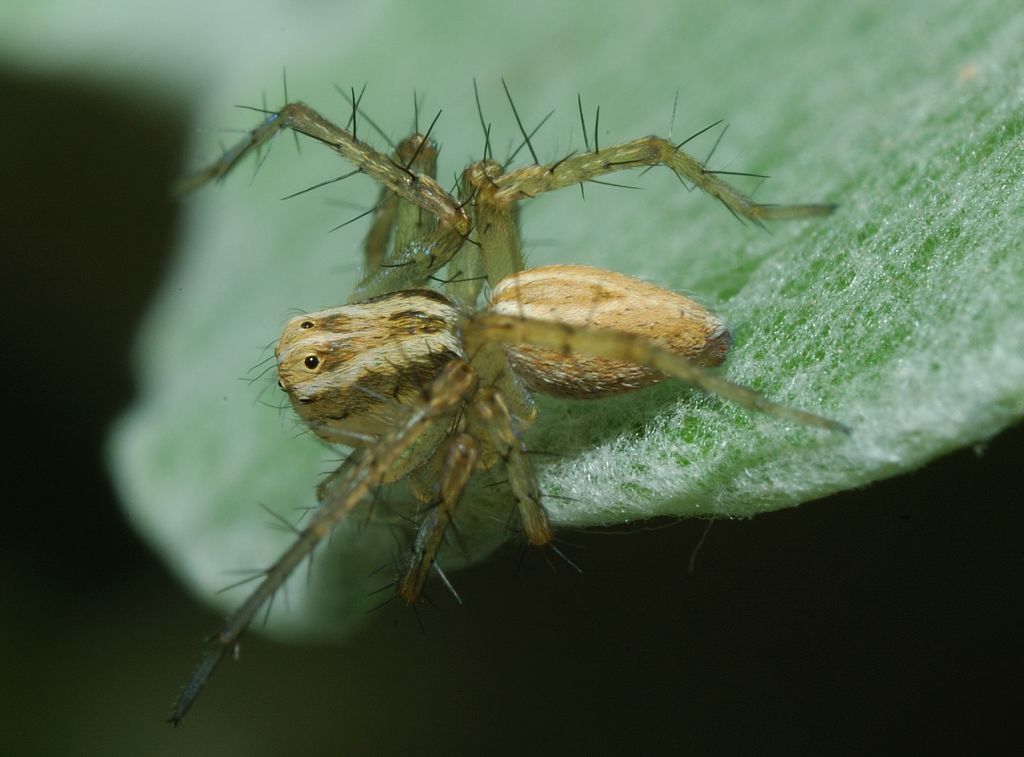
(349, 371)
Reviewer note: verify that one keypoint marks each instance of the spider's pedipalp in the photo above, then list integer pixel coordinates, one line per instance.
(419, 155)
(412, 266)
(396, 216)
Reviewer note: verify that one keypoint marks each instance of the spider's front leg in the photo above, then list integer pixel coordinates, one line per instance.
(420, 248)
(419, 189)
(365, 471)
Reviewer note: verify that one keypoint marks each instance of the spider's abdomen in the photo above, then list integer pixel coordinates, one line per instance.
(593, 297)
(350, 370)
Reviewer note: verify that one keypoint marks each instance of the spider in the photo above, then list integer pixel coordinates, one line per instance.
(425, 385)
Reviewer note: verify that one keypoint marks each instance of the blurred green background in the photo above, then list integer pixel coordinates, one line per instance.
(881, 619)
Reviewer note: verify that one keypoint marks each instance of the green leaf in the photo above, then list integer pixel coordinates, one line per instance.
(900, 316)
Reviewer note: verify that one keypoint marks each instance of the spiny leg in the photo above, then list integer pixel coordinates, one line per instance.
(461, 457)
(418, 154)
(495, 418)
(618, 345)
(466, 271)
(411, 266)
(418, 189)
(393, 214)
(495, 221)
(375, 244)
(339, 498)
(531, 181)
(418, 259)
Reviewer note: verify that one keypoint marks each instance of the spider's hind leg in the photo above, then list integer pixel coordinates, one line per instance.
(568, 339)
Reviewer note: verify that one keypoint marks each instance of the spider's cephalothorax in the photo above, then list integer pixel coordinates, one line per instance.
(428, 386)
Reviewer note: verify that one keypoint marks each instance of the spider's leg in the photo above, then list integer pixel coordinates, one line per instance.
(533, 180)
(420, 247)
(460, 460)
(490, 407)
(339, 497)
(411, 266)
(631, 348)
(407, 220)
(375, 244)
(466, 273)
(496, 222)
(418, 189)
(418, 154)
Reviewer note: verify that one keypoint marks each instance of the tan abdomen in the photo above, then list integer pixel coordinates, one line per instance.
(586, 296)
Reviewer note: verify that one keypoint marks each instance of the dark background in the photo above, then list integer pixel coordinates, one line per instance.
(882, 619)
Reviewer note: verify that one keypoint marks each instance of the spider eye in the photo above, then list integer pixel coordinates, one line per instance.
(306, 325)
(311, 362)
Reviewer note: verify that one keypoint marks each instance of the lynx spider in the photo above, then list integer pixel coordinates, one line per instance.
(423, 385)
